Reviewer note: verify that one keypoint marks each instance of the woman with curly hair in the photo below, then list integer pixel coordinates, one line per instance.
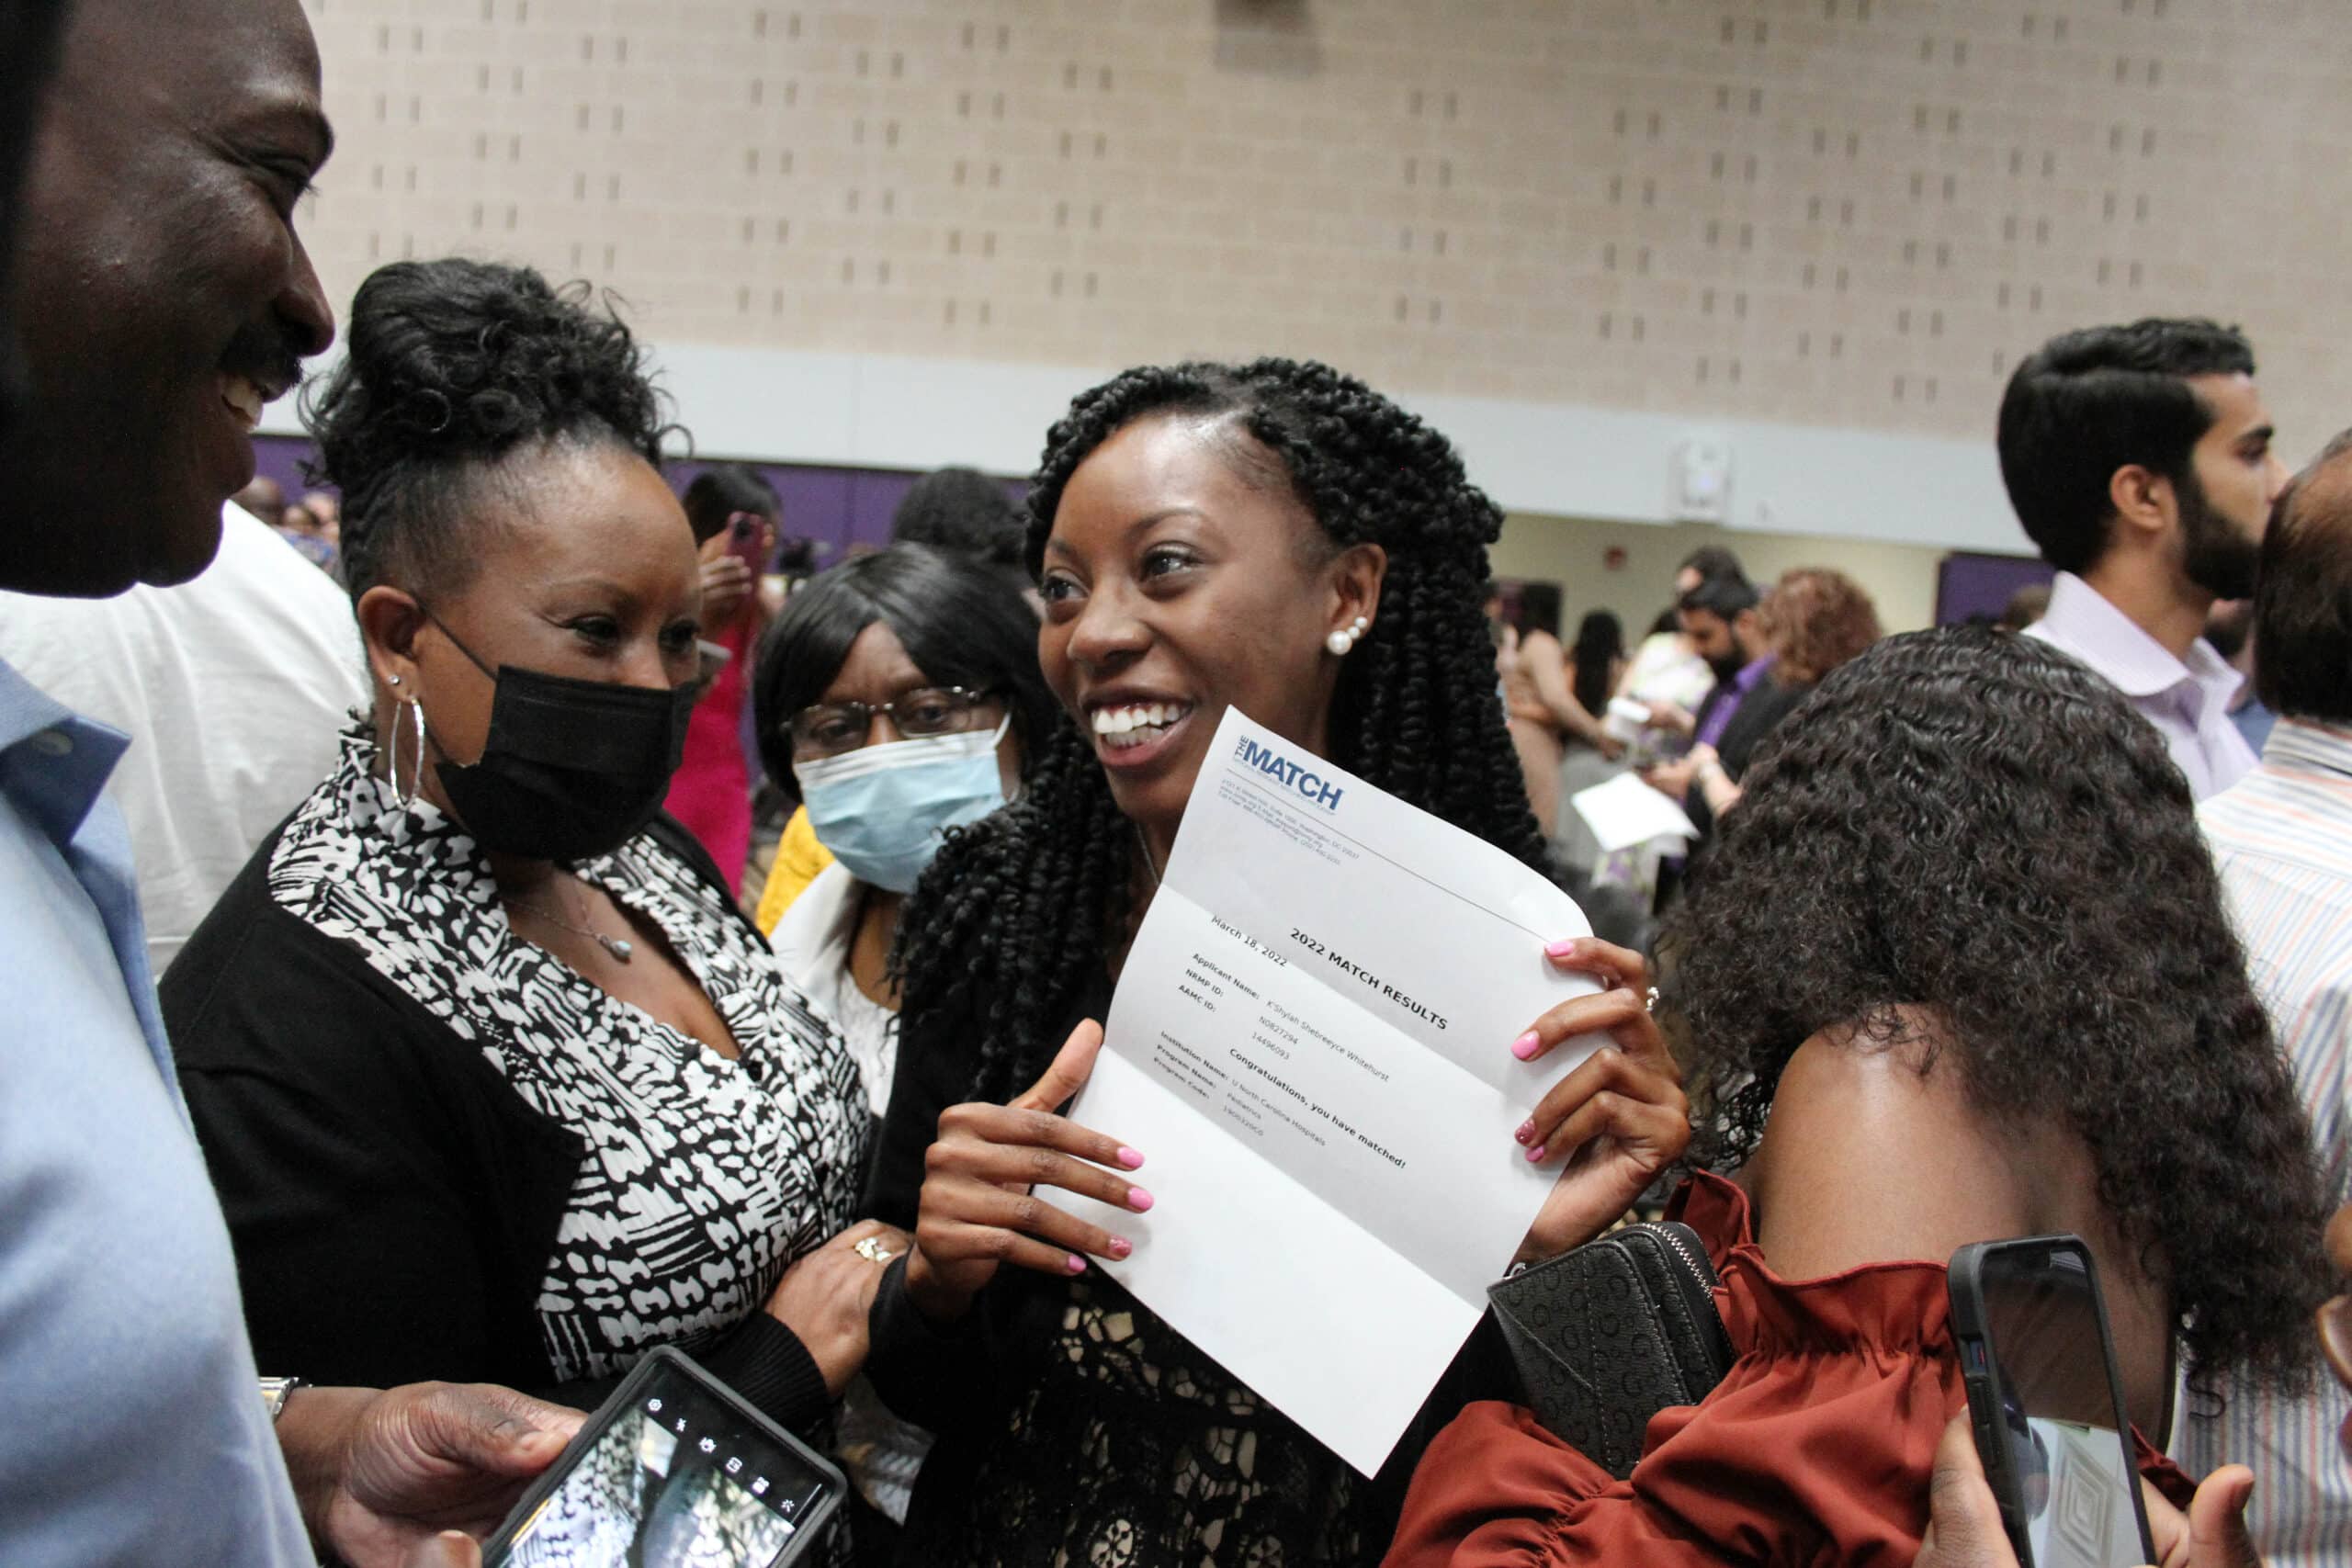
(1814, 620)
(1960, 972)
(494, 1081)
(1274, 536)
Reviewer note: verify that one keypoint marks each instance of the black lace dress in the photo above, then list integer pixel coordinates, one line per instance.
(1078, 1430)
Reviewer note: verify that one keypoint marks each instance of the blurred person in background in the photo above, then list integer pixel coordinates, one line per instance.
(2282, 839)
(1596, 664)
(2027, 605)
(1720, 618)
(154, 296)
(966, 516)
(1598, 660)
(325, 506)
(493, 1078)
(1814, 620)
(1885, 1075)
(1539, 703)
(1668, 673)
(734, 513)
(263, 498)
(1280, 538)
(230, 687)
(897, 697)
(1707, 564)
(2139, 459)
(964, 512)
(2230, 628)
(1665, 668)
(299, 526)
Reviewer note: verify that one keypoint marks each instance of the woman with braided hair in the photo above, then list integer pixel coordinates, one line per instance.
(1279, 537)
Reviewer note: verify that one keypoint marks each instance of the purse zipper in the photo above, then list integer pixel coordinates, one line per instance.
(1675, 1243)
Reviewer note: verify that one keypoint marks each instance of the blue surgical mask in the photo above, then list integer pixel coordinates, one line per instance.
(882, 810)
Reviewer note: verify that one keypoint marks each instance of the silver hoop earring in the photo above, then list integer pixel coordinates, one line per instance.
(1343, 640)
(407, 797)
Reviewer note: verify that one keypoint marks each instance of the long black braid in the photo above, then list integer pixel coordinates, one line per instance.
(1017, 916)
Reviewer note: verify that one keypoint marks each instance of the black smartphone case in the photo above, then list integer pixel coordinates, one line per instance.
(806, 1529)
(1980, 1371)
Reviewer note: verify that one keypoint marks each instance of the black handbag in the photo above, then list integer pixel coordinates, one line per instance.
(1607, 1336)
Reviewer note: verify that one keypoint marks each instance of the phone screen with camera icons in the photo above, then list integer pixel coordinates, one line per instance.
(672, 1470)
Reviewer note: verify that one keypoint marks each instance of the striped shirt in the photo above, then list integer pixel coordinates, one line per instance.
(2282, 839)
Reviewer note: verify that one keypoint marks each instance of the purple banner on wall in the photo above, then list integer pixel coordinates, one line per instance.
(1978, 587)
(281, 458)
(842, 510)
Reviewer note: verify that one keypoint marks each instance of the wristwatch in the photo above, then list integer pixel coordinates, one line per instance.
(275, 1391)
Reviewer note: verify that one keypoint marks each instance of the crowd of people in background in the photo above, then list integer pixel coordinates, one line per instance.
(504, 912)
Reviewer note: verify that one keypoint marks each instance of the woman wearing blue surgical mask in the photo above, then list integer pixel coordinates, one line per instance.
(897, 696)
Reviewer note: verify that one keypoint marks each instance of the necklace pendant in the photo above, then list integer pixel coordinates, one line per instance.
(618, 948)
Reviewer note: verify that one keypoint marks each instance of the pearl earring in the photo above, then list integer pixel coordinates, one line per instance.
(1339, 642)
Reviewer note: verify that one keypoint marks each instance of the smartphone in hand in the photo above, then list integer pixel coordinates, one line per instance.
(2046, 1402)
(676, 1469)
(747, 539)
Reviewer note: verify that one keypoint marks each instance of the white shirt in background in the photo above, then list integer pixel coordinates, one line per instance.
(882, 1454)
(812, 945)
(233, 688)
(2188, 702)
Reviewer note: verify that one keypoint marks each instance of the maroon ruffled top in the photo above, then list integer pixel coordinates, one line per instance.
(1815, 1448)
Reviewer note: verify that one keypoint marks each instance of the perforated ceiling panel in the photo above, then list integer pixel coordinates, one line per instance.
(1831, 211)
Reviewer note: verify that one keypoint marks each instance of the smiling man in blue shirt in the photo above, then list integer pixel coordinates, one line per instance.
(160, 297)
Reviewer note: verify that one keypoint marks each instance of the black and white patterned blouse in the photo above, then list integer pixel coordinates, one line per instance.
(699, 1179)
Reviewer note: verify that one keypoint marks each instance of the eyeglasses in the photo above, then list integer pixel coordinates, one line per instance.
(829, 730)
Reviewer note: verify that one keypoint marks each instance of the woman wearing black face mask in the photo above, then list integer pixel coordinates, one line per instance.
(495, 1082)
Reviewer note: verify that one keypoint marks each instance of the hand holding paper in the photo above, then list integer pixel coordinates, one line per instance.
(977, 1211)
(1619, 1118)
(1314, 1032)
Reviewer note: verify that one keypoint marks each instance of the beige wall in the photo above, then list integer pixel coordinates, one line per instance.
(1572, 551)
(1851, 213)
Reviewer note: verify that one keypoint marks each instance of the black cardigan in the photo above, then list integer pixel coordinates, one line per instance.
(360, 1149)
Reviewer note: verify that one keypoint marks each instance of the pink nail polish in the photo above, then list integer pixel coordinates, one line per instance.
(1535, 1155)
(1129, 1158)
(1526, 1045)
(1526, 1130)
(1138, 1200)
(1121, 1246)
(1077, 1264)
(1564, 948)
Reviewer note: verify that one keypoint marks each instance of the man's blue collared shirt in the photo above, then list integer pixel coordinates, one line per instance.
(139, 1434)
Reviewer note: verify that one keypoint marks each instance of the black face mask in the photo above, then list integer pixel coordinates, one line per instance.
(573, 769)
